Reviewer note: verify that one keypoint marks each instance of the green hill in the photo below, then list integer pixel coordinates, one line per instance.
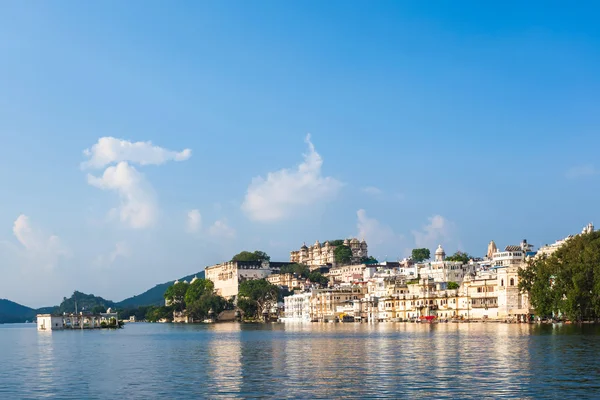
(84, 302)
(11, 312)
(154, 296)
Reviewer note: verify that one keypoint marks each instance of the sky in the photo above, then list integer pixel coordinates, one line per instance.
(145, 140)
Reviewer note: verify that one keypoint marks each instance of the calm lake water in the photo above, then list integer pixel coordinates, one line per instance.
(148, 361)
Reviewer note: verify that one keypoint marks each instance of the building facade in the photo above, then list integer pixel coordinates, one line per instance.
(228, 276)
(323, 254)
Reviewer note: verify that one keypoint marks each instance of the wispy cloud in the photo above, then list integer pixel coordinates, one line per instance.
(194, 221)
(372, 190)
(582, 171)
(109, 150)
(438, 230)
(220, 229)
(120, 250)
(282, 192)
(374, 231)
(38, 248)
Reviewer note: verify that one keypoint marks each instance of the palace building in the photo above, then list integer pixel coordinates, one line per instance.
(323, 254)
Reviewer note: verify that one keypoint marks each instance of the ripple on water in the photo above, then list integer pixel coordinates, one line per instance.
(302, 361)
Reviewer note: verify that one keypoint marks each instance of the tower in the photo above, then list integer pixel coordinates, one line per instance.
(440, 254)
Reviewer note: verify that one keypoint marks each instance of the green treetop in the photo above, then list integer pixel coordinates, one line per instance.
(298, 269)
(343, 255)
(460, 256)
(175, 294)
(420, 255)
(251, 256)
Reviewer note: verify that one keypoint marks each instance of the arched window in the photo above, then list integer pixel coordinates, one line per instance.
(512, 281)
(502, 282)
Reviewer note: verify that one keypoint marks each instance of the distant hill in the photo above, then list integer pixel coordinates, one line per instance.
(154, 296)
(11, 312)
(84, 302)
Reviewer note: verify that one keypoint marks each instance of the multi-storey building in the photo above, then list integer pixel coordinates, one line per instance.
(228, 275)
(323, 254)
(322, 305)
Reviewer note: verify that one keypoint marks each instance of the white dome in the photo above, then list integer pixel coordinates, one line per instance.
(440, 250)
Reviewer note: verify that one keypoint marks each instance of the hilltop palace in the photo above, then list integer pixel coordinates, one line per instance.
(317, 254)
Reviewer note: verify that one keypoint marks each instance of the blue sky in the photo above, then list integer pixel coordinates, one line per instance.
(430, 124)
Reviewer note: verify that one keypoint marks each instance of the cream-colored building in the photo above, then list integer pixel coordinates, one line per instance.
(290, 281)
(322, 305)
(228, 276)
(323, 254)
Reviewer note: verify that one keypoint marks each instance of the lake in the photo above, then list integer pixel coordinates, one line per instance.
(391, 360)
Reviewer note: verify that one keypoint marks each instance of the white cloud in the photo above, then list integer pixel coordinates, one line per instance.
(372, 190)
(381, 238)
(220, 229)
(37, 247)
(285, 191)
(109, 150)
(581, 171)
(138, 206)
(438, 230)
(194, 221)
(121, 250)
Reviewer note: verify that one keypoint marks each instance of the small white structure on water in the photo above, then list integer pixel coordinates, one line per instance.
(54, 322)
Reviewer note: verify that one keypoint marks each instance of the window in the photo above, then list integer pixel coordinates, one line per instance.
(512, 281)
(502, 282)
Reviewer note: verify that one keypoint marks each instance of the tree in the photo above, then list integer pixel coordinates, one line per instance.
(257, 296)
(175, 294)
(159, 313)
(98, 309)
(251, 256)
(197, 289)
(199, 309)
(298, 269)
(317, 277)
(453, 285)
(460, 256)
(343, 255)
(200, 300)
(369, 260)
(566, 282)
(420, 255)
(337, 242)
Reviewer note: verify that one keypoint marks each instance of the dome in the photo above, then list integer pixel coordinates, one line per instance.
(176, 282)
(304, 247)
(317, 244)
(346, 242)
(363, 241)
(440, 250)
(355, 240)
(194, 279)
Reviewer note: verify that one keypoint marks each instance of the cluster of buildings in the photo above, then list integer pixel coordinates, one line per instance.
(324, 254)
(481, 289)
(80, 320)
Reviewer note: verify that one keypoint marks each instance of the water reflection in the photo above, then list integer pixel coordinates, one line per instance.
(301, 361)
(224, 362)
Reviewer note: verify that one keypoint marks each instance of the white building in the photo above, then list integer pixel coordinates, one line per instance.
(297, 307)
(227, 276)
(49, 322)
